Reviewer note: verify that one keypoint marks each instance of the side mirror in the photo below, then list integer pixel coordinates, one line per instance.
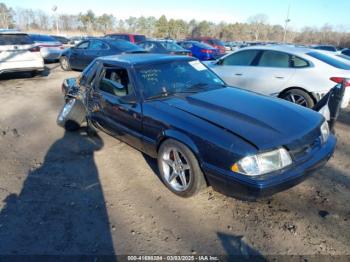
(219, 61)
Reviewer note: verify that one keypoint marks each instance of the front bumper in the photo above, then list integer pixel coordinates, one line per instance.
(251, 188)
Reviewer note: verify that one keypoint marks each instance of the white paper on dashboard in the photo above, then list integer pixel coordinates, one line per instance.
(197, 65)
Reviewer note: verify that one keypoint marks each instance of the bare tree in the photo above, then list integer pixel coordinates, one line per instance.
(6, 17)
(257, 22)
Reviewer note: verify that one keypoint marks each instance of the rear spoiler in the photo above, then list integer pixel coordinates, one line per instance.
(329, 106)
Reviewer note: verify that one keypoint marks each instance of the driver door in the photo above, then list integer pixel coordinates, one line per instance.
(121, 113)
(77, 57)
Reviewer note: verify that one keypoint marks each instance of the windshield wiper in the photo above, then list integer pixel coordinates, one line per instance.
(166, 94)
(198, 86)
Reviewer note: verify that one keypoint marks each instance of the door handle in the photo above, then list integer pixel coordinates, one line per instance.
(238, 74)
(279, 77)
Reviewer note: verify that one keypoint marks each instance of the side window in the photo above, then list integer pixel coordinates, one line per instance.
(274, 59)
(298, 62)
(115, 81)
(147, 46)
(187, 45)
(83, 45)
(97, 45)
(242, 58)
(346, 52)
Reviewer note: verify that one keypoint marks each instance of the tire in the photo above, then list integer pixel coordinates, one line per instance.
(184, 179)
(299, 97)
(91, 130)
(72, 115)
(64, 62)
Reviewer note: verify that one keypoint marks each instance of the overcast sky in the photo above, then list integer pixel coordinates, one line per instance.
(302, 12)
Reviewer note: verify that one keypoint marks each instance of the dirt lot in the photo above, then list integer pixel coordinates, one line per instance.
(65, 193)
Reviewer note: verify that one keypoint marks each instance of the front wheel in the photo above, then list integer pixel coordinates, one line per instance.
(64, 62)
(179, 169)
(299, 97)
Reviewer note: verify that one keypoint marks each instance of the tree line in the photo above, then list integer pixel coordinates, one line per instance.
(257, 27)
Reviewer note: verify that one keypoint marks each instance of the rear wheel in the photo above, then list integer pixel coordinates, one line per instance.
(64, 62)
(299, 97)
(179, 169)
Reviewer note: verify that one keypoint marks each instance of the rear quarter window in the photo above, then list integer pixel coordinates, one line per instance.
(14, 39)
(329, 60)
(298, 62)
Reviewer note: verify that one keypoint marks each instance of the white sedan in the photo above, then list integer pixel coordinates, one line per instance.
(300, 75)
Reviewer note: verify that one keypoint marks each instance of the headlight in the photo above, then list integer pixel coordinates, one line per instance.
(324, 131)
(263, 163)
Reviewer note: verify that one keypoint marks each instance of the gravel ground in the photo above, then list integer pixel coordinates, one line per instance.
(66, 193)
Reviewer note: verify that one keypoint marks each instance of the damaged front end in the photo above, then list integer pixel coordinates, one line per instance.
(73, 113)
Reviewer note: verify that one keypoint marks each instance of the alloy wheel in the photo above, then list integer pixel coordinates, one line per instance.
(64, 63)
(297, 99)
(177, 171)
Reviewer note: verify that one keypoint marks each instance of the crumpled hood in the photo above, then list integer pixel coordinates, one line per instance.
(265, 122)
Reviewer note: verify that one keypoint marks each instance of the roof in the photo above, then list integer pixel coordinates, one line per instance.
(144, 59)
(203, 38)
(284, 48)
(11, 31)
(123, 34)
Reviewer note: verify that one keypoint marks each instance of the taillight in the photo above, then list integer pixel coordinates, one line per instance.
(339, 80)
(34, 49)
(207, 51)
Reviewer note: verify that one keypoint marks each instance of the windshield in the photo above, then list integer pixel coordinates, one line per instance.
(326, 47)
(203, 45)
(15, 39)
(42, 38)
(216, 42)
(124, 45)
(139, 38)
(330, 60)
(171, 46)
(176, 77)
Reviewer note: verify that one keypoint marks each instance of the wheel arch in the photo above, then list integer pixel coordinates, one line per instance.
(180, 137)
(187, 141)
(312, 95)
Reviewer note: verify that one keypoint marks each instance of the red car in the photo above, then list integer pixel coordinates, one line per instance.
(133, 38)
(216, 43)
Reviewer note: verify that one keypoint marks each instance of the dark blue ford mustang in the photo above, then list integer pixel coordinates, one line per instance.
(202, 132)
